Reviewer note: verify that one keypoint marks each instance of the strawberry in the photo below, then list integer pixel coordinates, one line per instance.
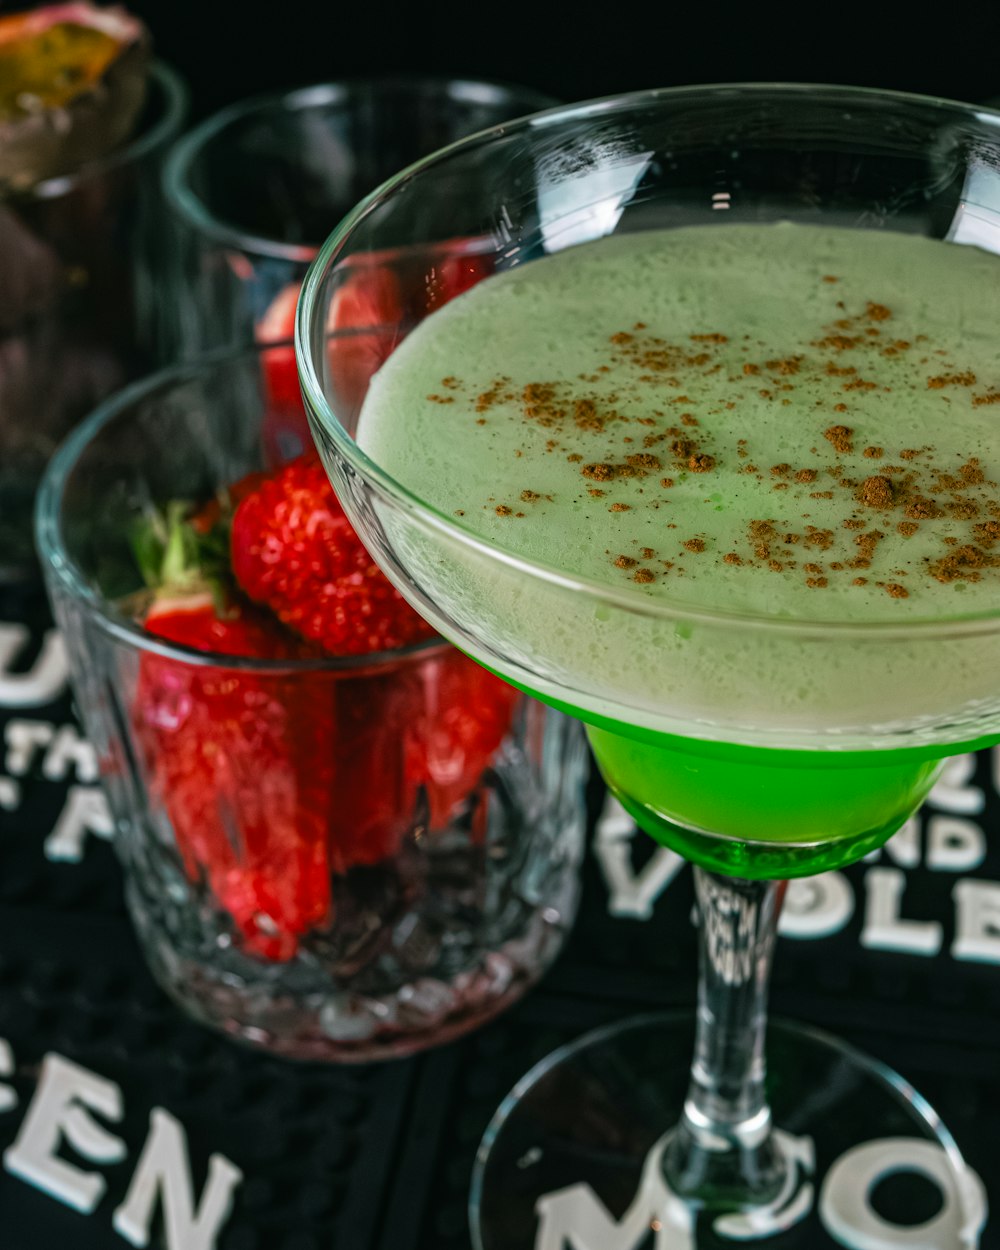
(294, 551)
(238, 761)
(464, 713)
(370, 297)
(452, 275)
(284, 428)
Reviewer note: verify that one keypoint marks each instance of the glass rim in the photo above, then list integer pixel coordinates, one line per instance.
(192, 209)
(873, 1068)
(426, 515)
(176, 99)
(57, 562)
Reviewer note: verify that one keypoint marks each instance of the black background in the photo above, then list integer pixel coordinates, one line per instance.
(379, 1158)
(575, 51)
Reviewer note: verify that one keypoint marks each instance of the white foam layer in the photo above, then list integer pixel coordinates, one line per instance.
(718, 360)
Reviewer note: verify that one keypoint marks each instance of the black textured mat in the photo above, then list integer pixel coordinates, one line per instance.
(899, 954)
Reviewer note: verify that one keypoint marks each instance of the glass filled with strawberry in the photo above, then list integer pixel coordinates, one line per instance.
(342, 839)
(254, 189)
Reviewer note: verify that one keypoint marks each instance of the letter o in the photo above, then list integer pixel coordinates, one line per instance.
(845, 1200)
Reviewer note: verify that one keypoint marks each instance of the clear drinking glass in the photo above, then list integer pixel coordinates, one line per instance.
(80, 258)
(706, 743)
(255, 189)
(338, 859)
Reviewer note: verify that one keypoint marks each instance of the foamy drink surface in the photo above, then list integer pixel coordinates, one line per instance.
(779, 420)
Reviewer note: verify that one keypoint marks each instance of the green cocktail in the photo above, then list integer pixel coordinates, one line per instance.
(789, 421)
(710, 462)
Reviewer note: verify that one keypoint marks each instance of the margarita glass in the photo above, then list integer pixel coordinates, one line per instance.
(760, 744)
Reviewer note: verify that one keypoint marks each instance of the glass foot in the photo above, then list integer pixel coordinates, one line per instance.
(573, 1159)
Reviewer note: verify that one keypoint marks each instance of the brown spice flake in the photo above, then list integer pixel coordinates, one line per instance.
(876, 492)
(644, 462)
(988, 532)
(816, 583)
(625, 562)
(962, 564)
(805, 475)
(839, 342)
(877, 312)
(666, 482)
(860, 581)
(620, 507)
(701, 463)
(732, 558)
(644, 576)
(647, 553)
(696, 545)
(503, 510)
(784, 367)
(990, 397)
(709, 338)
(529, 496)
(922, 509)
(907, 528)
(895, 591)
(599, 472)
(951, 379)
(874, 453)
(586, 416)
(782, 470)
(840, 436)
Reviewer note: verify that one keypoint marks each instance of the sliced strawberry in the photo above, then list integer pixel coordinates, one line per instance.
(454, 274)
(370, 298)
(465, 713)
(294, 551)
(239, 761)
(227, 761)
(284, 428)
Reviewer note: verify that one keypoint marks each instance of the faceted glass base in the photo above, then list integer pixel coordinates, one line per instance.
(573, 1158)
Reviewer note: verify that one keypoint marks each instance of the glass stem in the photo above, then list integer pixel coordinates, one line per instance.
(723, 1153)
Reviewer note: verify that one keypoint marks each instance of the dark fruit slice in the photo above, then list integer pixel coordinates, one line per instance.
(72, 84)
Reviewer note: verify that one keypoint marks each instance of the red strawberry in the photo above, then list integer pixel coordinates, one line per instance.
(284, 428)
(369, 298)
(454, 274)
(465, 713)
(294, 550)
(238, 761)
